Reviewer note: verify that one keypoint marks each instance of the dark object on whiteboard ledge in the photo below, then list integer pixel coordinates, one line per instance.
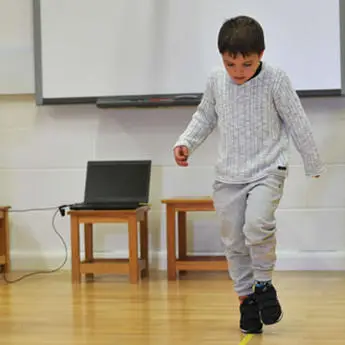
(149, 101)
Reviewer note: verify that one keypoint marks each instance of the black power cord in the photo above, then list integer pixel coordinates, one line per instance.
(59, 210)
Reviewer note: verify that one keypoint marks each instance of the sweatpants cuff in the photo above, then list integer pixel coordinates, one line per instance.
(263, 276)
(245, 292)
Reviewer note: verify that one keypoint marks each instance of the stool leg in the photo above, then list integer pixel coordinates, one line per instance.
(133, 250)
(88, 243)
(7, 242)
(182, 236)
(75, 245)
(144, 245)
(171, 245)
(2, 245)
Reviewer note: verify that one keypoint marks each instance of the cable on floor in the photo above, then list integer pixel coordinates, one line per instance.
(59, 210)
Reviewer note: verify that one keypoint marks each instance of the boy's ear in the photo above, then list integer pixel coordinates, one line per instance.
(261, 54)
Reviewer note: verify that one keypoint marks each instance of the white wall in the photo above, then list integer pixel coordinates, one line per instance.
(43, 153)
(16, 47)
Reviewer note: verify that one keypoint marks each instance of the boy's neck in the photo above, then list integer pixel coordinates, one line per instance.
(258, 70)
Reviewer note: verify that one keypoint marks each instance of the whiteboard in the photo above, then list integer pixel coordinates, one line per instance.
(95, 48)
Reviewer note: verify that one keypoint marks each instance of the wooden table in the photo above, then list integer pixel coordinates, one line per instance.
(5, 261)
(180, 206)
(133, 265)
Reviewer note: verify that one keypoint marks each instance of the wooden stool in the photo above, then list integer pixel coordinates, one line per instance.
(182, 205)
(90, 266)
(4, 240)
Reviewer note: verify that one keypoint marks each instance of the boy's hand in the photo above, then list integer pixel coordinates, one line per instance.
(317, 176)
(181, 155)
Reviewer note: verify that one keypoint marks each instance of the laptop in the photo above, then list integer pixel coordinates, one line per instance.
(116, 185)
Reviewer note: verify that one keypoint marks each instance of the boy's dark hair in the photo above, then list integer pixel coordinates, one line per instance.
(242, 35)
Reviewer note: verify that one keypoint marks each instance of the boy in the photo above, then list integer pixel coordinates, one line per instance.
(255, 110)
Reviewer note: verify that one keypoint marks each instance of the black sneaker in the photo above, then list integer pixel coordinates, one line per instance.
(269, 306)
(250, 317)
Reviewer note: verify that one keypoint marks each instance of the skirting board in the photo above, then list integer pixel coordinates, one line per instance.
(287, 260)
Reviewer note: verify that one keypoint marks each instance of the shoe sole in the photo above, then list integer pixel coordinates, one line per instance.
(251, 332)
(274, 322)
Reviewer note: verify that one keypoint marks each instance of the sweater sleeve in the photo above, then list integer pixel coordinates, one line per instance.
(298, 125)
(203, 121)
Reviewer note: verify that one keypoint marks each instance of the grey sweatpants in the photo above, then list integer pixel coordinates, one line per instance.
(248, 227)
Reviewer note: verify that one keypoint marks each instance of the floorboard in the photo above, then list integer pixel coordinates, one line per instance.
(200, 308)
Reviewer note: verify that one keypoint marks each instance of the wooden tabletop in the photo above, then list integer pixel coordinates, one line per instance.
(188, 200)
(4, 211)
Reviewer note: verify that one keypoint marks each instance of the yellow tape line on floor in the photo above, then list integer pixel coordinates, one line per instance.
(246, 339)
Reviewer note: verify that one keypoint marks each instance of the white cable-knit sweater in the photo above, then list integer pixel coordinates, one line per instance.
(254, 121)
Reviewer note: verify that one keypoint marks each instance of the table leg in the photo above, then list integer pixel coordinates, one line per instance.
(2, 245)
(144, 245)
(88, 245)
(7, 242)
(182, 236)
(171, 245)
(133, 250)
(75, 245)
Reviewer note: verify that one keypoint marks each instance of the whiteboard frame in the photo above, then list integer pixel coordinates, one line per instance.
(117, 102)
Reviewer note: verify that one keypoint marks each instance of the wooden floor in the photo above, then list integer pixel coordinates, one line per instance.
(198, 309)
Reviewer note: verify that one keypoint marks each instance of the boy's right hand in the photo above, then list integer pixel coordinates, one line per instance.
(181, 155)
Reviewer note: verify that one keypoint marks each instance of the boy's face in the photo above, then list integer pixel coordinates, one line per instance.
(241, 68)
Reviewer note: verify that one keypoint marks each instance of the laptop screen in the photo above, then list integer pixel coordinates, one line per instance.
(118, 181)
